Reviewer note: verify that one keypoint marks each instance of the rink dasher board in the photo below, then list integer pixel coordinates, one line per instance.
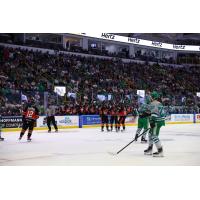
(87, 126)
(37, 128)
(92, 121)
(135, 124)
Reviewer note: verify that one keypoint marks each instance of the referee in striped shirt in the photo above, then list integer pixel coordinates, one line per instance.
(50, 113)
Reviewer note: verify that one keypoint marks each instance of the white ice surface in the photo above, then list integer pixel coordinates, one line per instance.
(90, 147)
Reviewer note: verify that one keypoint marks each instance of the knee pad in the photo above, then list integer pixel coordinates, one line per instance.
(155, 139)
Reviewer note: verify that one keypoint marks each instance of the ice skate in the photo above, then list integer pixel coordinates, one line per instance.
(1, 139)
(143, 140)
(20, 137)
(123, 130)
(29, 139)
(108, 130)
(148, 151)
(159, 153)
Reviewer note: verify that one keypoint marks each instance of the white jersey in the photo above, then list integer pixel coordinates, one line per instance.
(51, 111)
(157, 111)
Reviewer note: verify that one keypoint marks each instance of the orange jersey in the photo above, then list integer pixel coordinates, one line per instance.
(113, 113)
(31, 113)
(103, 112)
(123, 113)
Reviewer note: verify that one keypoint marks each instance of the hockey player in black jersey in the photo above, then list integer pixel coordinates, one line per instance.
(113, 118)
(104, 118)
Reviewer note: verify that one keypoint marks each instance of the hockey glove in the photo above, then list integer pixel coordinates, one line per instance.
(152, 124)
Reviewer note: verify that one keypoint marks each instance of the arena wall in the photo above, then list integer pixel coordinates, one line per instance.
(14, 123)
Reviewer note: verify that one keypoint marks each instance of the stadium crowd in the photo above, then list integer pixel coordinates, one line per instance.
(22, 71)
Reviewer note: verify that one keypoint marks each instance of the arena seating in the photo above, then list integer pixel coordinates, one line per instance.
(29, 72)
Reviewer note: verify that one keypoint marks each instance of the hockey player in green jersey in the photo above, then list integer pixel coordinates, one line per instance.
(143, 120)
(157, 120)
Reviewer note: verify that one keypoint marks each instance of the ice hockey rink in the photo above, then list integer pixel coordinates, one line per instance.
(91, 147)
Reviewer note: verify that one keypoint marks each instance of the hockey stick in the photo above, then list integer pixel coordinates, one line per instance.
(129, 143)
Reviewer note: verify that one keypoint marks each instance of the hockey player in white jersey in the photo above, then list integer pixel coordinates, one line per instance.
(157, 120)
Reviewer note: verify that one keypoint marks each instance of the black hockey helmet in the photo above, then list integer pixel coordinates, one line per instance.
(31, 101)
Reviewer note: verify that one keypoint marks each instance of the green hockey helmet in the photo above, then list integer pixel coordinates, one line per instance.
(155, 95)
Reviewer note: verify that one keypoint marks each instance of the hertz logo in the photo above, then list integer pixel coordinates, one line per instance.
(157, 44)
(108, 36)
(178, 46)
(134, 40)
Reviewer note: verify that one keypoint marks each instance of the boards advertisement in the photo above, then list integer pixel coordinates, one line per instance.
(197, 118)
(182, 118)
(63, 121)
(11, 121)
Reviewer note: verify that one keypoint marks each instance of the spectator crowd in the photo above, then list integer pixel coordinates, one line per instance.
(34, 72)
